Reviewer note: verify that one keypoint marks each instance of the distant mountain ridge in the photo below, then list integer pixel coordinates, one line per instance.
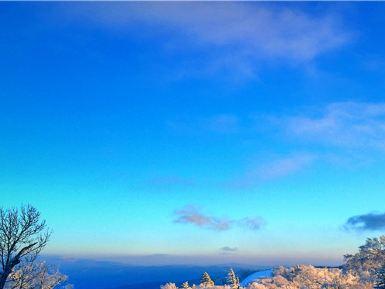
(86, 273)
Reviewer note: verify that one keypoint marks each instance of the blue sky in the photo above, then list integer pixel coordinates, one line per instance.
(196, 132)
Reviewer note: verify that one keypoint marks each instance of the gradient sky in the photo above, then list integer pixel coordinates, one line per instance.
(196, 132)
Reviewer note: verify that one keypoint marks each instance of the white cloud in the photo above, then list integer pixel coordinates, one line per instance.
(275, 169)
(345, 124)
(233, 36)
(284, 166)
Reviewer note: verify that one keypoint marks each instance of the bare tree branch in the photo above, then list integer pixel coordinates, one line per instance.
(22, 237)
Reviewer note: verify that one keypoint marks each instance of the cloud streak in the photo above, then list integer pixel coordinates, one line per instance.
(193, 216)
(227, 249)
(233, 36)
(253, 224)
(344, 128)
(284, 166)
(275, 169)
(366, 222)
(342, 124)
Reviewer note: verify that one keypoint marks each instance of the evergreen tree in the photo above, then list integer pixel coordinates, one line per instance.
(185, 285)
(206, 280)
(232, 279)
(380, 278)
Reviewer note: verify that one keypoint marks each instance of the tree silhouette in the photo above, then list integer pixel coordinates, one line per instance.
(22, 237)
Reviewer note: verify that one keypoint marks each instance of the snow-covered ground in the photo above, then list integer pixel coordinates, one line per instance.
(256, 276)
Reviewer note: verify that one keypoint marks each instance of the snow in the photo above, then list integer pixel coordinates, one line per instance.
(255, 276)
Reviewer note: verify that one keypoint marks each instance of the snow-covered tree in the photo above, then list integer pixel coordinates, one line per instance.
(309, 277)
(380, 278)
(363, 270)
(232, 279)
(23, 234)
(186, 285)
(206, 280)
(36, 276)
(369, 259)
(169, 286)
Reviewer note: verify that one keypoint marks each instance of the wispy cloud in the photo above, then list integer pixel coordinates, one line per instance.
(343, 128)
(227, 249)
(284, 166)
(275, 169)
(344, 124)
(233, 36)
(366, 222)
(192, 215)
(253, 224)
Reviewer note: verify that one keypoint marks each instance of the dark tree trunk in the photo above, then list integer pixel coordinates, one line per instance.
(4, 277)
